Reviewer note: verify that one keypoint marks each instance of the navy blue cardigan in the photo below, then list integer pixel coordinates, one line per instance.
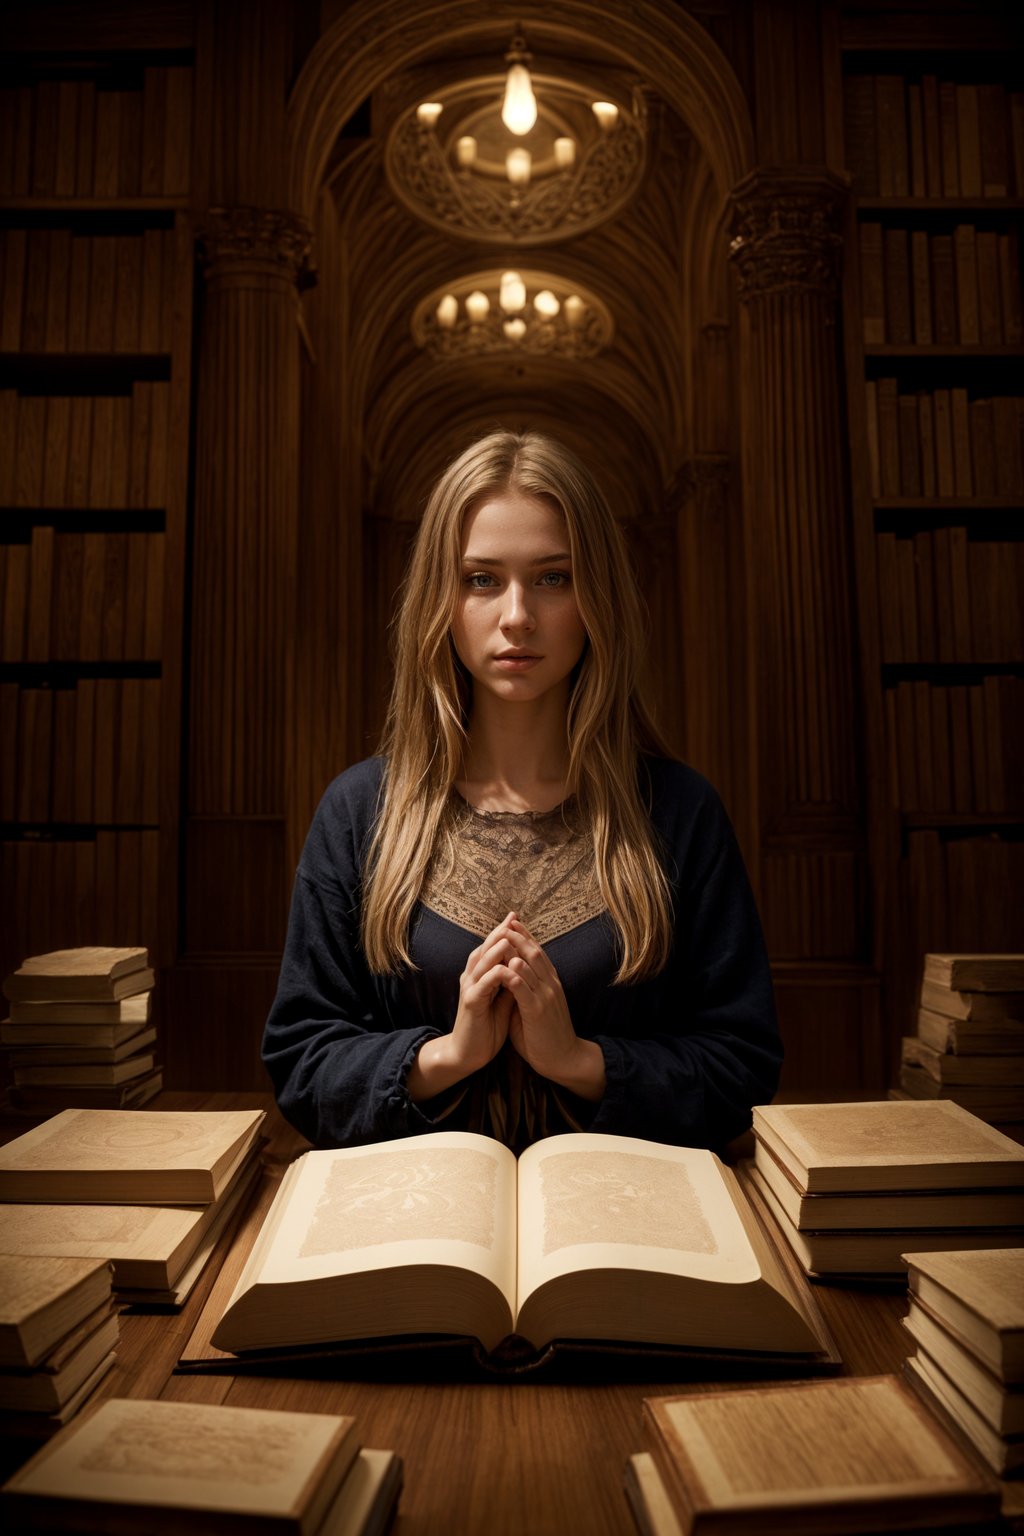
(687, 1052)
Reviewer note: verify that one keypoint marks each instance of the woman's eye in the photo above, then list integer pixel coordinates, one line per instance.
(555, 579)
(479, 580)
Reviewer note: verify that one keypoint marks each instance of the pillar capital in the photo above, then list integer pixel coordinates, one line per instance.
(272, 241)
(787, 231)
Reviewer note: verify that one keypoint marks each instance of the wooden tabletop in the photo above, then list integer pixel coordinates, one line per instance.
(516, 1458)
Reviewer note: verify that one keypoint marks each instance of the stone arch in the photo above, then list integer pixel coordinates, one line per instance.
(371, 41)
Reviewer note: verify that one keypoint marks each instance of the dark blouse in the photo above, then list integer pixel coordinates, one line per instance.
(687, 1052)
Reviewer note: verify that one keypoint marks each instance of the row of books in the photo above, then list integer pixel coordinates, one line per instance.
(919, 136)
(85, 451)
(69, 292)
(980, 1063)
(852, 1186)
(953, 889)
(102, 137)
(941, 443)
(58, 1334)
(966, 1318)
(930, 289)
(88, 754)
(79, 1031)
(947, 597)
(957, 748)
(95, 886)
(206, 1467)
(855, 1454)
(82, 597)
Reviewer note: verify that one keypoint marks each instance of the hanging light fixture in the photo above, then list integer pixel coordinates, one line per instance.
(525, 311)
(519, 108)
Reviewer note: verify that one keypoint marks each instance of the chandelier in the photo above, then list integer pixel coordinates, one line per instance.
(527, 157)
(512, 311)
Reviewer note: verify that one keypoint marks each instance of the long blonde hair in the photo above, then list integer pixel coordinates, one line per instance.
(608, 724)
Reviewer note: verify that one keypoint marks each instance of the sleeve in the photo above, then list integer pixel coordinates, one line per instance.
(337, 1064)
(716, 1050)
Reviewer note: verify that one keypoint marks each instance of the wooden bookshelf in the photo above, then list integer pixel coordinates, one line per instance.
(933, 126)
(96, 261)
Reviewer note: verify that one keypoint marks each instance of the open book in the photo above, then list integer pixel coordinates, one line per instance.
(588, 1237)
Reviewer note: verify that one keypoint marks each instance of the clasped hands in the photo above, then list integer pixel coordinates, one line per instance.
(510, 990)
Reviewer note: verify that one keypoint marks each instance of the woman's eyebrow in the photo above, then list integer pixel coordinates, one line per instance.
(540, 560)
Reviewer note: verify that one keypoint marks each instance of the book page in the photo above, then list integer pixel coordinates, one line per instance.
(445, 1198)
(615, 1202)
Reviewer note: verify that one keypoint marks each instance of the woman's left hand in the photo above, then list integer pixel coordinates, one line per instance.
(540, 1028)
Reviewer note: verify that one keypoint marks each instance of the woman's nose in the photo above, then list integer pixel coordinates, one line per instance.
(516, 612)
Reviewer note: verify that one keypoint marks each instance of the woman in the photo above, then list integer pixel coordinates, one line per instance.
(523, 917)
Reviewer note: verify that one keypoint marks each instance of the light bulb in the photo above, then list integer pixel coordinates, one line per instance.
(465, 151)
(477, 305)
(428, 112)
(447, 311)
(565, 154)
(519, 109)
(546, 305)
(515, 330)
(512, 294)
(574, 307)
(518, 163)
(606, 112)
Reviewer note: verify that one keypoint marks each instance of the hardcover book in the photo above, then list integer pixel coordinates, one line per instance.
(888, 1145)
(131, 1465)
(135, 1157)
(95, 973)
(980, 1298)
(976, 973)
(828, 1457)
(592, 1238)
(42, 1299)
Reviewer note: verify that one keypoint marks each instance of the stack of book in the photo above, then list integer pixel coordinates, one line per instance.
(967, 1319)
(969, 1044)
(853, 1186)
(130, 1465)
(148, 1192)
(58, 1330)
(857, 1454)
(79, 1030)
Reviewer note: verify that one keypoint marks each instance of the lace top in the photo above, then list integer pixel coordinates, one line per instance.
(538, 864)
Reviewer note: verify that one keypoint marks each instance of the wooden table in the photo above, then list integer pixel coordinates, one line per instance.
(516, 1458)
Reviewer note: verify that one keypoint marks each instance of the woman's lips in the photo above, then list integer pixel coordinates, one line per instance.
(516, 663)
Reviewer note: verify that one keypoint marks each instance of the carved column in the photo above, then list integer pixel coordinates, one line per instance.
(237, 877)
(786, 252)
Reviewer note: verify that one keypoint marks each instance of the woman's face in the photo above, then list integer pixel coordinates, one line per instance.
(517, 629)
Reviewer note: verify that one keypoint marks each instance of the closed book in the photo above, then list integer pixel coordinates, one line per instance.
(860, 135)
(872, 283)
(951, 1069)
(872, 1251)
(888, 1210)
(1001, 1405)
(932, 136)
(889, 436)
(965, 264)
(968, 140)
(910, 447)
(50, 1099)
(98, 1072)
(1009, 287)
(949, 139)
(943, 286)
(990, 304)
(884, 1145)
(42, 1298)
(844, 1456)
(39, 1055)
(995, 144)
(987, 1101)
(979, 1297)
(132, 1156)
(1004, 1456)
(131, 1465)
(58, 1378)
(898, 313)
(890, 105)
(976, 972)
(95, 972)
(961, 1035)
(921, 287)
(982, 448)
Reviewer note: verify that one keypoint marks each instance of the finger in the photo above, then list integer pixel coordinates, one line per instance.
(520, 971)
(485, 987)
(526, 946)
(492, 950)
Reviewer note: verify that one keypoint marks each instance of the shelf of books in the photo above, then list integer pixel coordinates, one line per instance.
(96, 261)
(934, 145)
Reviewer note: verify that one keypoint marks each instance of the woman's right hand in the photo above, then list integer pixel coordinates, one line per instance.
(481, 1023)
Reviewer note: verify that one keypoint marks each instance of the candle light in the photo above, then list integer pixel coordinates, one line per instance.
(515, 330)
(565, 154)
(465, 151)
(574, 307)
(518, 163)
(477, 305)
(428, 112)
(447, 311)
(512, 295)
(546, 305)
(606, 112)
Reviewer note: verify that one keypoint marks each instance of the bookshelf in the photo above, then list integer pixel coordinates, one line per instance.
(933, 139)
(96, 262)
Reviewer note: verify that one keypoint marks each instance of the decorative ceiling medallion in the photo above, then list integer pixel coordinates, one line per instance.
(517, 312)
(453, 162)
